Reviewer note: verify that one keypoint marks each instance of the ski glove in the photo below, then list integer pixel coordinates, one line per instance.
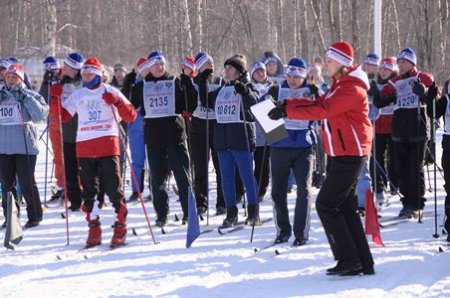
(433, 91)
(110, 99)
(204, 75)
(279, 111)
(418, 88)
(56, 90)
(19, 92)
(240, 88)
(314, 90)
(373, 91)
(273, 91)
(185, 81)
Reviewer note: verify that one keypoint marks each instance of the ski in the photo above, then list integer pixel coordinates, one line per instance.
(392, 221)
(239, 226)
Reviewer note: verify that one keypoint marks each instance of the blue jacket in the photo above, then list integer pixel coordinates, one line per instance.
(304, 138)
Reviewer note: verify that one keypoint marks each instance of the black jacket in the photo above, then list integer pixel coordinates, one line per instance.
(160, 132)
(234, 136)
(441, 107)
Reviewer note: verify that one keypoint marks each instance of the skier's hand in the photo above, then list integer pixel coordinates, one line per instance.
(186, 114)
(130, 78)
(240, 88)
(185, 81)
(273, 91)
(314, 90)
(418, 88)
(56, 90)
(204, 75)
(433, 91)
(373, 91)
(110, 99)
(19, 92)
(279, 111)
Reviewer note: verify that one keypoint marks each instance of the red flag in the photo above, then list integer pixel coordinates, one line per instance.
(372, 226)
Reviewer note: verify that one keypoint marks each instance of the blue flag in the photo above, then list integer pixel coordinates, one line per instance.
(193, 230)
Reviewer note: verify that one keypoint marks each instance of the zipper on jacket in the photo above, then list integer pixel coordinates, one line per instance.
(341, 139)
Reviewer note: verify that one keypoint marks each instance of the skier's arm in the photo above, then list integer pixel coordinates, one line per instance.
(35, 105)
(387, 96)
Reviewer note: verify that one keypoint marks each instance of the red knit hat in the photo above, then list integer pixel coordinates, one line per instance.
(389, 63)
(141, 64)
(189, 62)
(16, 70)
(341, 52)
(92, 65)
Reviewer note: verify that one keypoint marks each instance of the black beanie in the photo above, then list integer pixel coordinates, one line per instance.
(238, 61)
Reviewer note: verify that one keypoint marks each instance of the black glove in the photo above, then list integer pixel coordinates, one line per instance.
(130, 78)
(273, 91)
(418, 88)
(205, 74)
(279, 111)
(314, 90)
(432, 91)
(185, 81)
(373, 91)
(240, 88)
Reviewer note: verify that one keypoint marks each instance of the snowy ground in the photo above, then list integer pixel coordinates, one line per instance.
(217, 266)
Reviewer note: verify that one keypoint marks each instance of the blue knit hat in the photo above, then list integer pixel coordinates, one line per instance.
(408, 54)
(297, 67)
(74, 60)
(372, 59)
(51, 63)
(155, 57)
(13, 60)
(257, 66)
(201, 59)
(4, 63)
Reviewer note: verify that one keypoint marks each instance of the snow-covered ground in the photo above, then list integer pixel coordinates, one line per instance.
(410, 264)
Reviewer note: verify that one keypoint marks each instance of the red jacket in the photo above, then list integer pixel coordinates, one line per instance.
(346, 130)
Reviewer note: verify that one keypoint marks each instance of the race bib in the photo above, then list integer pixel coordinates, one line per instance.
(201, 111)
(95, 119)
(10, 114)
(284, 93)
(406, 99)
(159, 99)
(228, 106)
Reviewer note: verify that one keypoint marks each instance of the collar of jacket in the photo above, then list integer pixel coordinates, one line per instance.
(151, 78)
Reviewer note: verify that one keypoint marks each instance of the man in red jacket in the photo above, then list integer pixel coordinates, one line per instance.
(347, 138)
(98, 106)
(409, 91)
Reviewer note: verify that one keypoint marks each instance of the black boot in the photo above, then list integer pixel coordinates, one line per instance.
(253, 215)
(232, 217)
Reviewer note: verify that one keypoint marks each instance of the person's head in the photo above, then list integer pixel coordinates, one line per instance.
(338, 58)
(92, 72)
(258, 72)
(204, 61)
(119, 73)
(387, 67)
(235, 67)
(315, 72)
(156, 64)
(273, 64)
(371, 63)
(188, 67)
(72, 64)
(142, 67)
(51, 65)
(406, 60)
(14, 75)
(296, 72)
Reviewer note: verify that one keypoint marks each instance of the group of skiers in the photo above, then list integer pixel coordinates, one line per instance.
(178, 122)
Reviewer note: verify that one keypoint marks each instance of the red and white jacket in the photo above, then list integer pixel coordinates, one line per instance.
(98, 131)
(346, 128)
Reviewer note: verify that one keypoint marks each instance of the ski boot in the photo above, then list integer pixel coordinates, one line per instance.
(120, 227)
(253, 215)
(95, 231)
(231, 219)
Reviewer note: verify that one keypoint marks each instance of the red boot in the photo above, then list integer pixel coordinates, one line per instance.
(120, 227)
(95, 232)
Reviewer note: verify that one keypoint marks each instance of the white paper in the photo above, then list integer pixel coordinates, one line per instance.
(260, 111)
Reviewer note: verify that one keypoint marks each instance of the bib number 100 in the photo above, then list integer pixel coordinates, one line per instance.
(6, 112)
